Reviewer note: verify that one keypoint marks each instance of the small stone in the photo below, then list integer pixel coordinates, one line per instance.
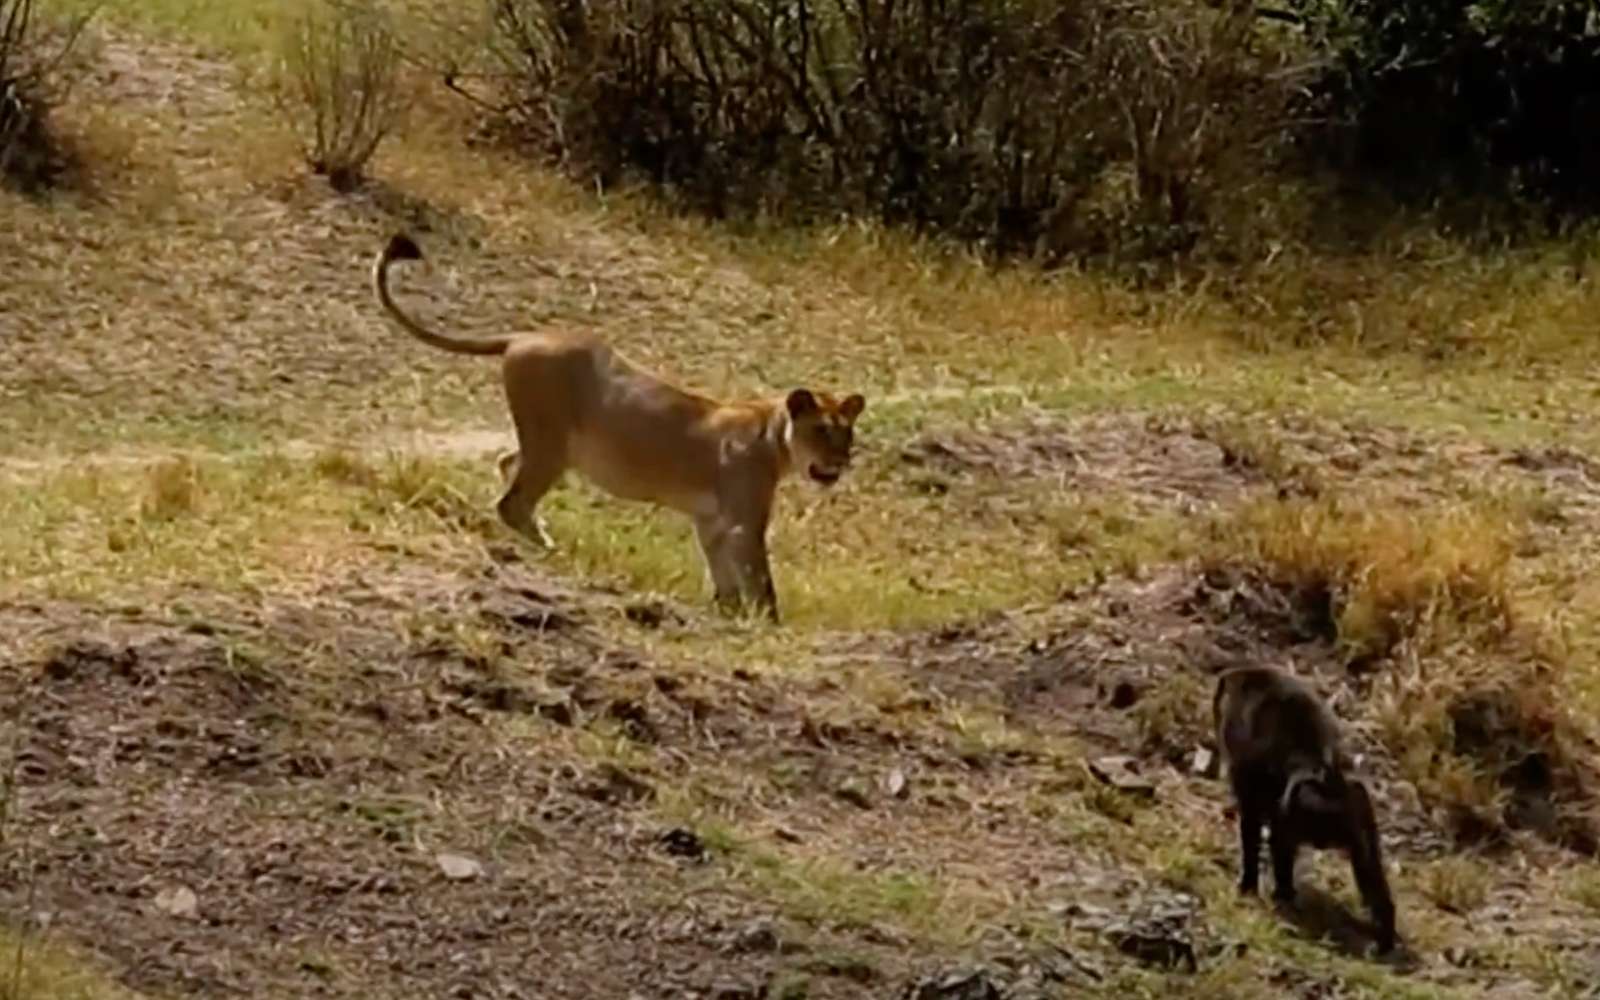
(894, 783)
(968, 984)
(1122, 773)
(178, 901)
(1203, 762)
(681, 843)
(854, 794)
(457, 867)
(759, 936)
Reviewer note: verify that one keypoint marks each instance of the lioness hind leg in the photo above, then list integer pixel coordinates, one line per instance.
(527, 481)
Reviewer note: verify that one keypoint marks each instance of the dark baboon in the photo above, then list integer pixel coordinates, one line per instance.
(1282, 750)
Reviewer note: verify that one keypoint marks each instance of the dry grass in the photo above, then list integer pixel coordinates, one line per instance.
(37, 968)
(1385, 574)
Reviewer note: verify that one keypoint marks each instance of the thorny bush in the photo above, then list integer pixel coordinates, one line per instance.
(337, 86)
(33, 79)
(1023, 126)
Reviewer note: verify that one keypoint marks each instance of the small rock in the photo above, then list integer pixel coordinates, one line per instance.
(458, 867)
(1203, 763)
(966, 984)
(894, 783)
(757, 936)
(681, 843)
(178, 901)
(854, 794)
(1122, 773)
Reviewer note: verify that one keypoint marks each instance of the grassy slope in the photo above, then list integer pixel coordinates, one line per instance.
(217, 408)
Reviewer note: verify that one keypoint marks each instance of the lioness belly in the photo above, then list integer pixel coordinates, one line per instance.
(635, 473)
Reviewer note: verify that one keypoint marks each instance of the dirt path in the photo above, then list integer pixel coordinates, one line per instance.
(466, 442)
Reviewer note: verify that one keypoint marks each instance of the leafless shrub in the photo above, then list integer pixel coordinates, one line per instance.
(337, 86)
(1002, 122)
(34, 76)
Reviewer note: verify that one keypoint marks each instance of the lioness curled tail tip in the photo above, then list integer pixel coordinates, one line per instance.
(402, 247)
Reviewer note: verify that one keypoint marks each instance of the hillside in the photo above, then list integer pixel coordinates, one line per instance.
(292, 714)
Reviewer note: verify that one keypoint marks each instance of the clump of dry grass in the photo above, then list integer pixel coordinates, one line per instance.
(1456, 884)
(1386, 573)
(1416, 289)
(337, 85)
(172, 490)
(1488, 734)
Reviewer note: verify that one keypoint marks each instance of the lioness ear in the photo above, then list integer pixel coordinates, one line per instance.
(801, 402)
(853, 405)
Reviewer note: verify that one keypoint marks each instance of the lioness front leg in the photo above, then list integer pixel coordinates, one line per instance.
(526, 484)
(738, 569)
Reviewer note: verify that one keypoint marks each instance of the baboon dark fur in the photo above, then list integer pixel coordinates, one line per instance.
(1281, 746)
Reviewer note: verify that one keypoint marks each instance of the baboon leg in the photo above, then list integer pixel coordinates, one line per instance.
(1283, 846)
(1250, 819)
(529, 475)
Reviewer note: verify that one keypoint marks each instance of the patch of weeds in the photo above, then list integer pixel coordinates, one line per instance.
(1112, 803)
(393, 819)
(1249, 444)
(172, 490)
(1174, 715)
(789, 986)
(1111, 537)
(1491, 734)
(33, 968)
(828, 891)
(843, 965)
(345, 467)
(1456, 885)
(1583, 887)
(422, 485)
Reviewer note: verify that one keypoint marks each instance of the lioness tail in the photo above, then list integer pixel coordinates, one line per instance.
(403, 247)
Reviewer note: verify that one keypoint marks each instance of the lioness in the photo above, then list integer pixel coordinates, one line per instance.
(577, 403)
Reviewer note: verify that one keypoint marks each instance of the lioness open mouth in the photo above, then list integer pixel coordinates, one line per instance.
(826, 477)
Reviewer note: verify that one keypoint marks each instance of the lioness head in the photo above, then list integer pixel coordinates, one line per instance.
(821, 431)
